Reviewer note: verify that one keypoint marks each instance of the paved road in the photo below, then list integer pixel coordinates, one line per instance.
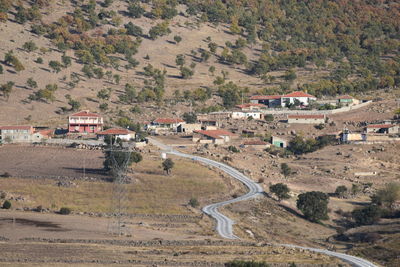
(224, 224)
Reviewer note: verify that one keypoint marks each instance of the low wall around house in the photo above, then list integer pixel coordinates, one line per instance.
(72, 141)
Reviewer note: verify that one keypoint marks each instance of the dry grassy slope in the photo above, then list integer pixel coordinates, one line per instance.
(162, 54)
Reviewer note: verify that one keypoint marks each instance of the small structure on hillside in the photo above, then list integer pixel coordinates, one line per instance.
(163, 125)
(347, 100)
(246, 115)
(15, 134)
(306, 119)
(251, 107)
(382, 128)
(188, 127)
(295, 98)
(212, 136)
(279, 142)
(85, 122)
(121, 133)
(271, 101)
(209, 124)
(256, 144)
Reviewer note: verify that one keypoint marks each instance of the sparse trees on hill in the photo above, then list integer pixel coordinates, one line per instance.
(158, 30)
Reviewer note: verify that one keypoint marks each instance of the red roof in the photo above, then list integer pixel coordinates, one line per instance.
(380, 126)
(167, 120)
(265, 97)
(255, 143)
(345, 97)
(217, 134)
(298, 94)
(85, 113)
(306, 116)
(18, 127)
(114, 131)
(247, 105)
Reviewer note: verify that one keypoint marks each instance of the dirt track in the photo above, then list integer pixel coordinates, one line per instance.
(50, 162)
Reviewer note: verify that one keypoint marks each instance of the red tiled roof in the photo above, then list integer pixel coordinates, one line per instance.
(255, 143)
(345, 97)
(17, 127)
(306, 116)
(115, 131)
(217, 134)
(84, 113)
(265, 97)
(247, 105)
(167, 120)
(298, 94)
(45, 132)
(384, 126)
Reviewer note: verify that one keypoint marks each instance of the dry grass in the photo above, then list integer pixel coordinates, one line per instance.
(152, 192)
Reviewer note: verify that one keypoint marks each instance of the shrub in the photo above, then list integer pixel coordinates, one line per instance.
(6, 205)
(368, 215)
(39, 60)
(167, 165)
(177, 39)
(193, 202)
(30, 46)
(341, 191)
(314, 205)
(285, 170)
(6, 175)
(237, 263)
(233, 149)
(65, 211)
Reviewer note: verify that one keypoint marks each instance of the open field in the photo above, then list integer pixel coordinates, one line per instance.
(151, 192)
(51, 162)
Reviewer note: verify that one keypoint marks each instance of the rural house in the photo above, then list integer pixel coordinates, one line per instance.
(15, 134)
(164, 125)
(121, 133)
(245, 115)
(347, 100)
(279, 142)
(251, 106)
(188, 127)
(306, 119)
(212, 136)
(382, 128)
(303, 99)
(256, 145)
(268, 100)
(85, 122)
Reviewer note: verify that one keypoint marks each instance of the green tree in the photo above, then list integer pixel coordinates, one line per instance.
(30, 46)
(186, 73)
(280, 190)
(55, 65)
(213, 47)
(31, 83)
(160, 29)
(314, 205)
(7, 205)
(211, 69)
(133, 30)
(286, 170)
(135, 10)
(180, 60)
(368, 215)
(75, 105)
(193, 202)
(66, 60)
(387, 196)
(341, 191)
(104, 94)
(115, 159)
(167, 165)
(6, 89)
(177, 39)
(189, 117)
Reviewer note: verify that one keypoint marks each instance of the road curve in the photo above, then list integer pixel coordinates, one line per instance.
(224, 224)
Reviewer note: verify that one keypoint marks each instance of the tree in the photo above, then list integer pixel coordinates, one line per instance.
(6, 89)
(115, 159)
(66, 60)
(133, 30)
(55, 65)
(31, 83)
(314, 205)
(167, 165)
(193, 202)
(213, 47)
(387, 196)
(135, 10)
(180, 60)
(186, 73)
(341, 191)
(280, 190)
(117, 78)
(285, 170)
(177, 39)
(189, 117)
(12, 60)
(1, 69)
(104, 94)
(368, 215)
(7, 205)
(30, 46)
(160, 29)
(211, 69)
(75, 105)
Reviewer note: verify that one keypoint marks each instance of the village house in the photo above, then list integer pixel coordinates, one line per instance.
(188, 127)
(208, 124)
(15, 134)
(257, 145)
(251, 107)
(294, 98)
(212, 136)
(279, 142)
(382, 128)
(306, 119)
(245, 115)
(85, 122)
(121, 133)
(163, 125)
(346, 100)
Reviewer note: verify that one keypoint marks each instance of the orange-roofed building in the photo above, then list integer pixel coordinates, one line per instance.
(212, 136)
(297, 97)
(85, 122)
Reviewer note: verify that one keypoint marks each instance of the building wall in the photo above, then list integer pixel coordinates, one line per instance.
(306, 121)
(245, 115)
(303, 100)
(15, 136)
(85, 128)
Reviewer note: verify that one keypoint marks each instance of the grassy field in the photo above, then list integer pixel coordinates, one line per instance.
(152, 192)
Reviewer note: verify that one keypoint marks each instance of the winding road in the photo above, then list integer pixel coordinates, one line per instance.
(224, 224)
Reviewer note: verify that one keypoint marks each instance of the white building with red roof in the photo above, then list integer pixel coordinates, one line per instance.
(85, 122)
(212, 136)
(121, 133)
(297, 97)
(383, 128)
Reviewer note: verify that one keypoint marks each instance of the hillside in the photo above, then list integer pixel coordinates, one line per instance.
(81, 54)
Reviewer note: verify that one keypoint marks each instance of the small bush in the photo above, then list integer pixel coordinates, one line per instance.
(6, 205)
(193, 202)
(233, 149)
(6, 175)
(65, 211)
